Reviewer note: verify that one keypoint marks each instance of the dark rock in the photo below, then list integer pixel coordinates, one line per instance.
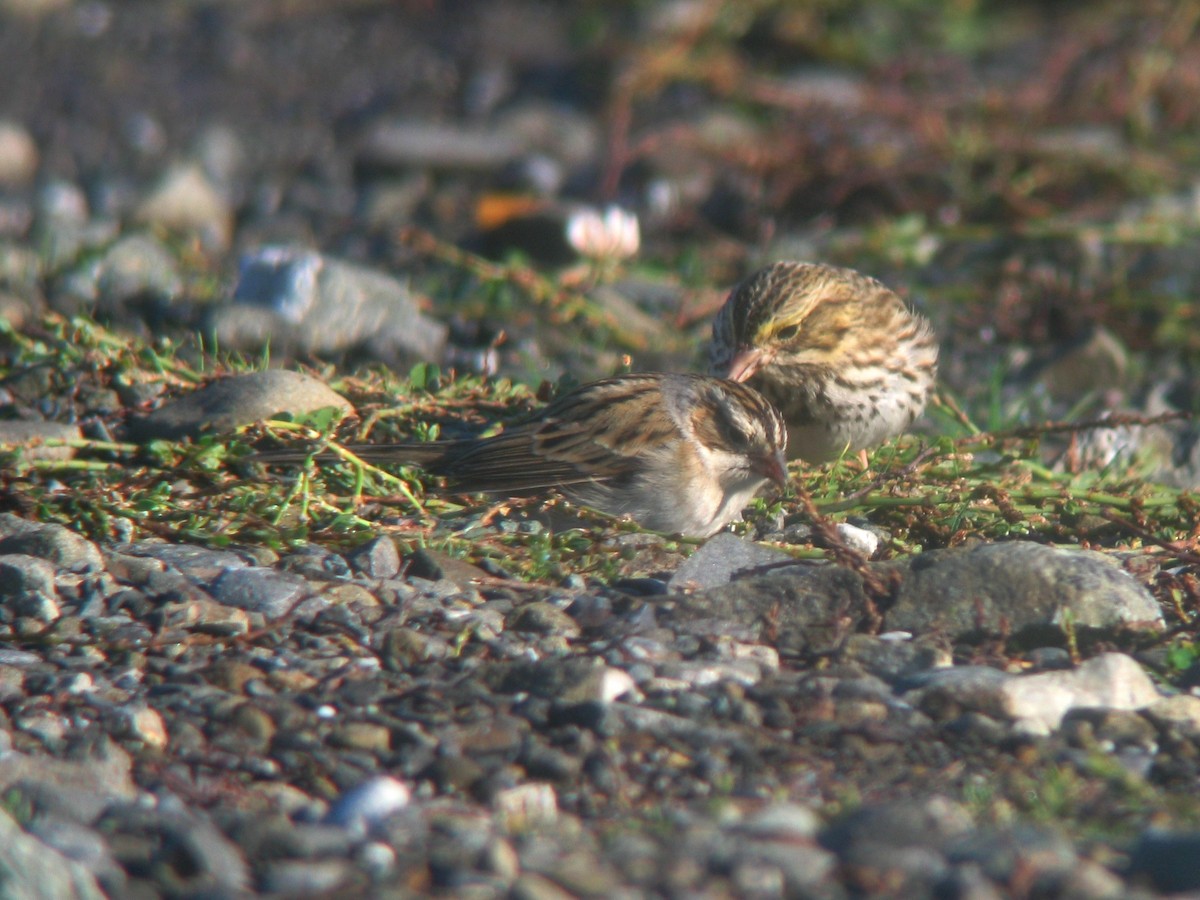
(1166, 860)
(807, 609)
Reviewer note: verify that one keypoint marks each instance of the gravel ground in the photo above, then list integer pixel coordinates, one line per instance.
(181, 721)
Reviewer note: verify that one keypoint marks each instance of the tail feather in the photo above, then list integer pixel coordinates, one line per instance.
(417, 453)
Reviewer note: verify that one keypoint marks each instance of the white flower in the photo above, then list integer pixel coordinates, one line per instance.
(614, 235)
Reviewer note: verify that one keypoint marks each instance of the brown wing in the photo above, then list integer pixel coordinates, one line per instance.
(596, 433)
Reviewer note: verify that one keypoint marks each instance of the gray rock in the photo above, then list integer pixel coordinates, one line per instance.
(144, 724)
(377, 558)
(75, 789)
(186, 200)
(18, 154)
(63, 227)
(83, 845)
(301, 301)
(31, 870)
(23, 576)
(56, 544)
(860, 540)
(221, 153)
(804, 609)
(305, 878)
(1097, 361)
(405, 143)
(721, 559)
(262, 590)
(158, 565)
(1035, 852)
(134, 268)
(1167, 860)
(238, 400)
(899, 843)
(1019, 587)
(543, 618)
(31, 436)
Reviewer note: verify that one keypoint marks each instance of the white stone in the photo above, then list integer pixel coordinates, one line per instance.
(1039, 702)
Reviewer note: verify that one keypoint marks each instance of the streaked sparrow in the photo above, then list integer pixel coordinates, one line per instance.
(846, 361)
(677, 453)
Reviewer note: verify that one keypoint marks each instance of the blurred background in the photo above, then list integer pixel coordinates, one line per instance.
(546, 188)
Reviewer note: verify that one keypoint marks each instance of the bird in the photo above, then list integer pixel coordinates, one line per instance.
(843, 358)
(677, 453)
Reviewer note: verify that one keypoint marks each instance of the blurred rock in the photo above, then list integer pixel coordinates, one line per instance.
(1095, 362)
(567, 137)
(300, 301)
(238, 400)
(49, 541)
(1166, 860)
(1110, 681)
(63, 227)
(399, 143)
(221, 154)
(369, 803)
(32, 869)
(186, 200)
(18, 154)
(135, 269)
(33, 8)
(31, 435)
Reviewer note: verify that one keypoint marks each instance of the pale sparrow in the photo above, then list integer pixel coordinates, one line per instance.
(846, 361)
(676, 453)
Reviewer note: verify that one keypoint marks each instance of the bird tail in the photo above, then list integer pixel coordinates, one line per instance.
(416, 453)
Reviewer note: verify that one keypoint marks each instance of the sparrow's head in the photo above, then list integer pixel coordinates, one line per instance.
(741, 430)
(789, 313)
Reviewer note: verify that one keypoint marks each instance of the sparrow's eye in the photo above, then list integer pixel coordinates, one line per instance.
(787, 333)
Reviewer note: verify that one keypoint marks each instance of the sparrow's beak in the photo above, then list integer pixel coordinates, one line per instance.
(774, 467)
(746, 361)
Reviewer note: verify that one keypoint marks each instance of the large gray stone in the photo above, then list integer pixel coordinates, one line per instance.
(801, 609)
(31, 870)
(301, 301)
(721, 559)
(54, 543)
(31, 437)
(238, 400)
(1016, 587)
